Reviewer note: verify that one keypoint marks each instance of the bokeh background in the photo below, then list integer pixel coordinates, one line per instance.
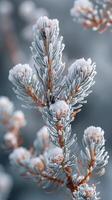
(16, 20)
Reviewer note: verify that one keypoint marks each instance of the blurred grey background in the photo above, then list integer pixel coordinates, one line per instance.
(14, 48)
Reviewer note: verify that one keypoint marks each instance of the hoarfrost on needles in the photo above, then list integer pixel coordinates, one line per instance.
(53, 158)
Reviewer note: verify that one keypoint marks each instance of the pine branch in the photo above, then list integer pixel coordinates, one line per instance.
(53, 157)
(95, 15)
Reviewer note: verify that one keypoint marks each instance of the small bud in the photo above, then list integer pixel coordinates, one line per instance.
(94, 135)
(60, 109)
(19, 155)
(81, 69)
(25, 83)
(20, 74)
(44, 23)
(55, 155)
(38, 164)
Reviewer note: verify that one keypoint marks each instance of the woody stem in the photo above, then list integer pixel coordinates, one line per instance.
(66, 169)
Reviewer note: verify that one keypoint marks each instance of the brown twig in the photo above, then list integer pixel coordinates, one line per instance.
(50, 71)
(66, 169)
(89, 171)
(35, 98)
(53, 179)
(43, 174)
(73, 93)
